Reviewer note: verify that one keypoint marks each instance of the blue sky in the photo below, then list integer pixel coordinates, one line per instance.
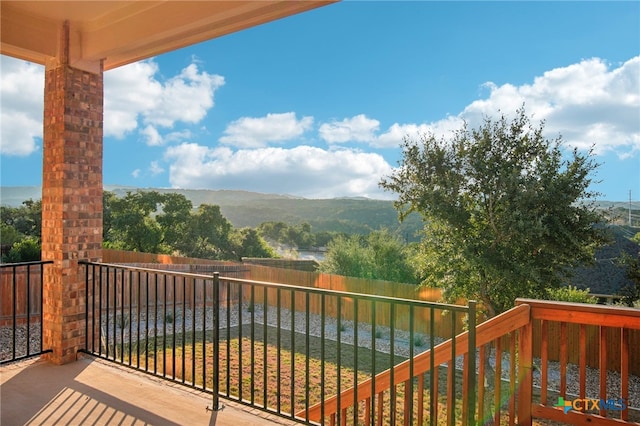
(316, 105)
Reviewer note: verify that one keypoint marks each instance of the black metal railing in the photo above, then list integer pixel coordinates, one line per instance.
(278, 348)
(21, 289)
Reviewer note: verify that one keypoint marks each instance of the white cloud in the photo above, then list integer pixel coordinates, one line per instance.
(133, 95)
(360, 128)
(155, 168)
(134, 98)
(255, 132)
(21, 106)
(394, 136)
(588, 103)
(357, 129)
(129, 92)
(186, 97)
(304, 170)
(151, 136)
(180, 136)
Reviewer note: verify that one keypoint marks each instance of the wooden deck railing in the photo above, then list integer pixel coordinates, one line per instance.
(517, 319)
(505, 372)
(588, 406)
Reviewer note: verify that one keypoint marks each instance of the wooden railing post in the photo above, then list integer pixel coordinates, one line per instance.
(471, 397)
(525, 373)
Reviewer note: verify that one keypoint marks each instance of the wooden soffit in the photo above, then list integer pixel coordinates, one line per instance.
(122, 32)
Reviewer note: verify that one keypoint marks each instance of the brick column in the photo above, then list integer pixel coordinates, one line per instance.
(71, 200)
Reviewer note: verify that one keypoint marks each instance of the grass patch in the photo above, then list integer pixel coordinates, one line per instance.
(292, 381)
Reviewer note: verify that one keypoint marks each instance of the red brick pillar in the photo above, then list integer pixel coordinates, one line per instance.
(71, 199)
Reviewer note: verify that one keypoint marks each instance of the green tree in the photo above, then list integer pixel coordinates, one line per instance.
(9, 235)
(208, 235)
(505, 214)
(247, 242)
(26, 219)
(20, 228)
(348, 256)
(131, 224)
(153, 222)
(174, 218)
(571, 294)
(380, 255)
(25, 250)
(300, 235)
(108, 200)
(272, 230)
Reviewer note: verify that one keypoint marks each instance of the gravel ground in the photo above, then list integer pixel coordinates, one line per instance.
(347, 332)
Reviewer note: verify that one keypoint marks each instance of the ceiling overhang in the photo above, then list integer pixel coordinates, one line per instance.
(121, 32)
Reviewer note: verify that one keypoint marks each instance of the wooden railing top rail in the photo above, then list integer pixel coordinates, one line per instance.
(583, 313)
(486, 332)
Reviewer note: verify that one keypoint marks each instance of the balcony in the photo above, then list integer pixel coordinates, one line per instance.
(166, 346)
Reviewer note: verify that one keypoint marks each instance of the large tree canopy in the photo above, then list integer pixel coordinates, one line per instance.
(506, 215)
(154, 222)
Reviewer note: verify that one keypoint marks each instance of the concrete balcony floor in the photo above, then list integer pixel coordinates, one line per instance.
(96, 392)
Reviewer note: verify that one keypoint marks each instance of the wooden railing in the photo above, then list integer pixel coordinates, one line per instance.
(402, 378)
(604, 406)
(506, 394)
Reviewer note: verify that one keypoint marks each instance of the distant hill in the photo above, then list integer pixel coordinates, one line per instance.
(244, 208)
(13, 196)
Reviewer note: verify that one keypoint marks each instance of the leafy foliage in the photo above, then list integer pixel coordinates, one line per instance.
(570, 294)
(25, 220)
(157, 222)
(9, 235)
(208, 234)
(300, 235)
(505, 215)
(131, 225)
(26, 250)
(20, 229)
(380, 255)
(247, 242)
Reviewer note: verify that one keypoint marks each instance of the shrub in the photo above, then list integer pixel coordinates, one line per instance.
(418, 340)
(27, 250)
(570, 294)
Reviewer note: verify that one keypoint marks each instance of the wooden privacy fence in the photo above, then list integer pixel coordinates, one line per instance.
(20, 293)
(147, 285)
(443, 325)
(123, 256)
(305, 279)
